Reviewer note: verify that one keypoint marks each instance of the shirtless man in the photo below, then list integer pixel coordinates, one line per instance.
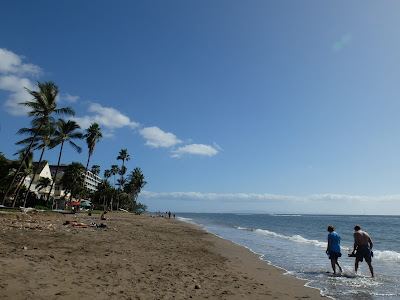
(363, 244)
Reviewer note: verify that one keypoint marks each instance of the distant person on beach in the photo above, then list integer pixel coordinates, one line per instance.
(362, 248)
(169, 215)
(333, 248)
(77, 224)
(103, 216)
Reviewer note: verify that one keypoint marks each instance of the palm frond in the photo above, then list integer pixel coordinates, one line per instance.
(77, 148)
(65, 110)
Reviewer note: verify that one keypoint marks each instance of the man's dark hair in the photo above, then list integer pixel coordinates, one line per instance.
(331, 228)
(357, 227)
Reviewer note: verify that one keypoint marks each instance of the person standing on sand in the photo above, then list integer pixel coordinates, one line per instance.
(333, 248)
(363, 244)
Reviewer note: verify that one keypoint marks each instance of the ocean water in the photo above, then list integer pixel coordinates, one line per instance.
(297, 243)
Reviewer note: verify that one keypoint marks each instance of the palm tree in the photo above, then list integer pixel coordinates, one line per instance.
(65, 132)
(5, 168)
(107, 174)
(41, 107)
(114, 171)
(45, 135)
(122, 172)
(43, 183)
(93, 135)
(121, 184)
(124, 156)
(136, 183)
(96, 169)
(27, 169)
(72, 179)
(104, 190)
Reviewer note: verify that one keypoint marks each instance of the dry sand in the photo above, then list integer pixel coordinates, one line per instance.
(135, 257)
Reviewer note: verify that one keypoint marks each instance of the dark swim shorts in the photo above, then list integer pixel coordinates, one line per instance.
(334, 255)
(363, 252)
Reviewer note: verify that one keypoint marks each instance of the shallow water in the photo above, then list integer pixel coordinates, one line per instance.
(297, 244)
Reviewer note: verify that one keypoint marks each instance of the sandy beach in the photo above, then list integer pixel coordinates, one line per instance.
(134, 257)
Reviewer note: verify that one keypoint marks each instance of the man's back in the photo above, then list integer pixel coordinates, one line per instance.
(361, 238)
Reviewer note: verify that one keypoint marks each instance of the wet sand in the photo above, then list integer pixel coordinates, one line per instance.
(134, 257)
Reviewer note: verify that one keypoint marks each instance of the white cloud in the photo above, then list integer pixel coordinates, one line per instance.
(11, 63)
(16, 86)
(344, 40)
(157, 138)
(197, 149)
(67, 98)
(13, 79)
(107, 117)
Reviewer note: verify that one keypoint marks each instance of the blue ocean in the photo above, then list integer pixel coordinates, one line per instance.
(297, 244)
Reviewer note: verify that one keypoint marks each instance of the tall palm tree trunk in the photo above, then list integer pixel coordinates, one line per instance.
(34, 174)
(86, 171)
(18, 190)
(22, 162)
(55, 175)
(17, 187)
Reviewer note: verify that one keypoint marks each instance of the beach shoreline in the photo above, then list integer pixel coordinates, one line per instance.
(134, 257)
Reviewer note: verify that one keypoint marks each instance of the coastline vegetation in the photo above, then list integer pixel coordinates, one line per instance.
(46, 133)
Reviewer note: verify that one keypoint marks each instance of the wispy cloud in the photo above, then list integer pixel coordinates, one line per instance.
(67, 98)
(196, 149)
(155, 137)
(340, 44)
(16, 87)
(15, 75)
(107, 117)
(11, 63)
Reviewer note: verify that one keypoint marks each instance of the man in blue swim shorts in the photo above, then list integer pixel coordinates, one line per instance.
(363, 244)
(333, 248)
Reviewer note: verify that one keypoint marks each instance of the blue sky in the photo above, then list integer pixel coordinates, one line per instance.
(264, 106)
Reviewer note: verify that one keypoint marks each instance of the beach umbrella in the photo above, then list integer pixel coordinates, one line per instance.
(85, 204)
(75, 203)
(140, 209)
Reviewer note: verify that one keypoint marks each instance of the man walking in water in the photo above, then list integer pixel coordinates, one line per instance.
(363, 244)
(333, 248)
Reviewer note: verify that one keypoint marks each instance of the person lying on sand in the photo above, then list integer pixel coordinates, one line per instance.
(76, 224)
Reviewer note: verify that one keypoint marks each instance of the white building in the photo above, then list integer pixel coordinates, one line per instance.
(92, 181)
(43, 171)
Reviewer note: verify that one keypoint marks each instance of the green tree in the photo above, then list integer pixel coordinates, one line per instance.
(96, 169)
(44, 136)
(27, 169)
(43, 183)
(114, 171)
(73, 178)
(5, 178)
(107, 174)
(121, 184)
(104, 191)
(41, 107)
(93, 135)
(66, 131)
(124, 156)
(135, 184)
